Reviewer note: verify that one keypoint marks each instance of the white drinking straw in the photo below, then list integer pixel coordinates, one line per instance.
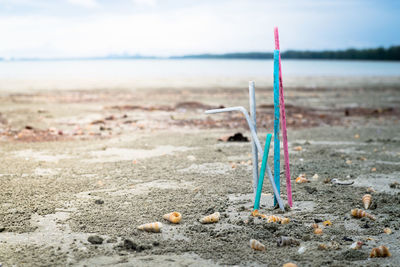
(252, 100)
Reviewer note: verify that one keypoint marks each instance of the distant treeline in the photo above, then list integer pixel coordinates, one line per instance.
(392, 53)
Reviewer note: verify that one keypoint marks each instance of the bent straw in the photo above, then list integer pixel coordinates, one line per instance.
(252, 99)
(257, 142)
(262, 173)
(284, 132)
(277, 152)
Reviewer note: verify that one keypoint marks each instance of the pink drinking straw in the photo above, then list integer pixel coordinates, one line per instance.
(283, 121)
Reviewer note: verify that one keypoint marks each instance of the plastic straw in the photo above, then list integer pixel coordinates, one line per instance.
(284, 132)
(262, 173)
(252, 100)
(257, 142)
(277, 152)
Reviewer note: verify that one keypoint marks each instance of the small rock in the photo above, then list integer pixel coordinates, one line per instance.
(95, 239)
(2, 229)
(318, 220)
(99, 201)
(366, 226)
(310, 190)
(129, 245)
(345, 238)
(112, 240)
(156, 243)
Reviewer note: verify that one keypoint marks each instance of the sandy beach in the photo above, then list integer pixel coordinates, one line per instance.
(84, 163)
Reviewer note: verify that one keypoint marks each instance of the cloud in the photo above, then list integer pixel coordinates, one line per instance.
(85, 3)
(150, 3)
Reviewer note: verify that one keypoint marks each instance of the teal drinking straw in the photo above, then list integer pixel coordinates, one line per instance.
(277, 149)
(262, 173)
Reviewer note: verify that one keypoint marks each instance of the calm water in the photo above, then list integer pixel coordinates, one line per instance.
(191, 67)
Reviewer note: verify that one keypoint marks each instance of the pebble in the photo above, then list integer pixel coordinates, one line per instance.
(99, 201)
(95, 239)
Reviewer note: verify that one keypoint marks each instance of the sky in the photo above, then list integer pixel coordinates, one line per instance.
(86, 28)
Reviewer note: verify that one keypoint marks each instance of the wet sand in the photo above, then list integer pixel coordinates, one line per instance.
(100, 161)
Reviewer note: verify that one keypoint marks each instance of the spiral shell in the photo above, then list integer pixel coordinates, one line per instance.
(173, 217)
(381, 251)
(360, 213)
(255, 213)
(366, 199)
(318, 231)
(154, 227)
(277, 219)
(327, 223)
(301, 179)
(286, 241)
(314, 226)
(211, 218)
(256, 245)
(387, 230)
(357, 245)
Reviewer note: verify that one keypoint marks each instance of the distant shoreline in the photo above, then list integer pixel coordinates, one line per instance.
(375, 54)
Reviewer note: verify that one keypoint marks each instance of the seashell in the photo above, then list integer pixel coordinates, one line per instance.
(173, 217)
(387, 231)
(322, 247)
(277, 219)
(366, 199)
(297, 148)
(314, 225)
(301, 250)
(381, 251)
(255, 213)
(327, 223)
(315, 176)
(256, 245)
(289, 264)
(357, 245)
(373, 169)
(211, 218)
(286, 241)
(371, 190)
(348, 162)
(154, 227)
(318, 231)
(301, 179)
(360, 213)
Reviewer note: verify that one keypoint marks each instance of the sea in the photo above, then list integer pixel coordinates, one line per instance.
(142, 68)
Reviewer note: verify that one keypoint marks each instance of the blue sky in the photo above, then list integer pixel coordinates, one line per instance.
(68, 28)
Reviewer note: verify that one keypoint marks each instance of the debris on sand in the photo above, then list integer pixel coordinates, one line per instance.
(287, 241)
(99, 201)
(336, 181)
(357, 245)
(297, 148)
(211, 218)
(173, 217)
(237, 137)
(381, 251)
(366, 199)
(95, 240)
(256, 245)
(357, 213)
(395, 185)
(154, 227)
